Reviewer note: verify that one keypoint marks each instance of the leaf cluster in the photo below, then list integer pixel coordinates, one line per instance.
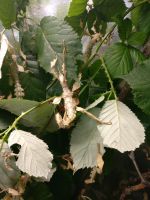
(93, 65)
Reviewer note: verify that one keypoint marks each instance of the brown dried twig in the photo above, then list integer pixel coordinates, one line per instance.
(132, 157)
(131, 189)
(144, 183)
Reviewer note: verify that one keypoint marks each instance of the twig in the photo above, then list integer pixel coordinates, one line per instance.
(111, 31)
(101, 43)
(132, 157)
(94, 39)
(91, 79)
(131, 189)
(85, 197)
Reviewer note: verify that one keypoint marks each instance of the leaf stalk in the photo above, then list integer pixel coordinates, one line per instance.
(109, 78)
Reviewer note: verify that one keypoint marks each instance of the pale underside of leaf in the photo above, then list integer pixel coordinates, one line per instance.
(34, 157)
(95, 103)
(3, 51)
(86, 142)
(126, 133)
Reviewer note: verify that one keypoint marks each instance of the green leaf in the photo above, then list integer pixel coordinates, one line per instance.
(139, 81)
(120, 59)
(141, 18)
(22, 4)
(91, 19)
(137, 38)
(5, 119)
(50, 37)
(136, 56)
(28, 42)
(77, 22)
(98, 72)
(77, 7)
(39, 117)
(124, 28)
(84, 142)
(37, 190)
(33, 87)
(8, 12)
(54, 89)
(98, 2)
(108, 10)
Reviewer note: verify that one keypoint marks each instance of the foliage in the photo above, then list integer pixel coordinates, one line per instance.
(140, 84)
(115, 135)
(50, 47)
(8, 11)
(77, 7)
(85, 152)
(68, 111)
(32, 150)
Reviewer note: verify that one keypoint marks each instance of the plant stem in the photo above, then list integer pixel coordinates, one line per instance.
(13, 125)
(101, 43)
(111, 31)
(91, 79)
(109, 78)
(132, 157)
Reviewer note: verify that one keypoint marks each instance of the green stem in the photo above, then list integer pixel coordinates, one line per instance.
(91, 79)
(109, 78)
(5, 133)
(98, 48)
(105, 93)
(111, 31)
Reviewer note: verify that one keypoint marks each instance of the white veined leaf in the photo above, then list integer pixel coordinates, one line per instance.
(96, 102)
(34, 157)
(86, 142)
(3, 51)
(126, 132)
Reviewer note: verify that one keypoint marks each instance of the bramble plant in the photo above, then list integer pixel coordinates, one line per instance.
(69, 107)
